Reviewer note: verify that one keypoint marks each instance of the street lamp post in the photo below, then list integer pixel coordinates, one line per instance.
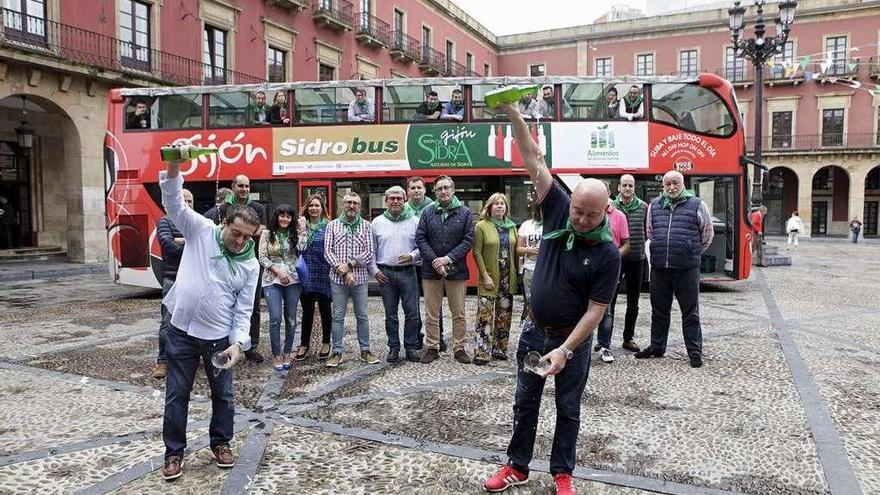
(759, 50)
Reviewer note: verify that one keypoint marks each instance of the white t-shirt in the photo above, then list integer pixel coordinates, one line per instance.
(530, 232)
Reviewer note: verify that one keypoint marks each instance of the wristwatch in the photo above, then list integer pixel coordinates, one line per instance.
(568, 354)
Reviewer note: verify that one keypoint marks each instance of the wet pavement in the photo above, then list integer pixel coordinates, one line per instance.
(788, 401)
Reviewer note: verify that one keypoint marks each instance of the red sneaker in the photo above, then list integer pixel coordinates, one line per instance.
(504, 478)
(563, 484)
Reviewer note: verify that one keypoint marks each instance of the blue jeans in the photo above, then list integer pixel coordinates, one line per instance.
(183, 352)
(402, 289)
(278, 297)
(165, 319)
(570, 384)
(358, 295)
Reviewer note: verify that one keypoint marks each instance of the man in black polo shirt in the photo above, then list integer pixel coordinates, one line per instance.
(575, 279)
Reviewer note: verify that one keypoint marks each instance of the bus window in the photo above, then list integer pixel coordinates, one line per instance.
(692, 108)
(178, 112)
(479, 111)
(587, 101)
(229, 110)
(400, 103)
(138, 115)
(327, 105)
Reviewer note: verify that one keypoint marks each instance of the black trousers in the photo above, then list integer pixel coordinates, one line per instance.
(634, 273)
(684, 284)
(308, 300)
(255, 316)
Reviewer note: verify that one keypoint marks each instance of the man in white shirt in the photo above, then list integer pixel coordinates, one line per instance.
(528, 107)
(362, 108)
(795, 227)
(394, 238)
(210, 305)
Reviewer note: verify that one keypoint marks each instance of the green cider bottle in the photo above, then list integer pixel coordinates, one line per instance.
(184, 152)
(508, 94)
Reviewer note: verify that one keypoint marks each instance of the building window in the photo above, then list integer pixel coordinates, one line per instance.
(134, 34)
(276, 61)
(327, 5)
(469, 62)
(450, 56)
(781, 128)
(835, 48)
(877, 135)
(734, 67)
(214, 56)
(822, 179)
(426, 41)
(603, 68)
(781, 59)
(398, 29)
(832, 127)
(537, 70)
(326, 72)
(688, 65)
(25, 20)
(645, 64)
(487, 70)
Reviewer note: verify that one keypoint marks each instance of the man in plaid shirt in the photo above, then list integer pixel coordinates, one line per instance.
(348, 248)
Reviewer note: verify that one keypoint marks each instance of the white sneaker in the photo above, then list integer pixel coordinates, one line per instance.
(605, 355)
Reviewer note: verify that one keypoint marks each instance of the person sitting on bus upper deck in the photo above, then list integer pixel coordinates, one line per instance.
(429, 109)
(279, 110)
(612, 111)
(547, 104)
(140, 117)
(633, 104)
(361, 109)
(454, 109)
(217, 211)
(528, 107)
(260, 111)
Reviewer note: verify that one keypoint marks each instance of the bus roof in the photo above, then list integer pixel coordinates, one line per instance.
(432, 81)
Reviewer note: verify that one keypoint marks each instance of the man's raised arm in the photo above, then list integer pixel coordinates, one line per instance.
(528, 148)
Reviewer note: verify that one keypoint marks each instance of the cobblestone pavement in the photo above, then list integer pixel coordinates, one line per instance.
(788, 401)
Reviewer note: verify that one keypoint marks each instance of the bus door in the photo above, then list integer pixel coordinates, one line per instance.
(719, 194)
(322, 188)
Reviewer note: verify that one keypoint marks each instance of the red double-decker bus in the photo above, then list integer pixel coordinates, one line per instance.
(313, 146)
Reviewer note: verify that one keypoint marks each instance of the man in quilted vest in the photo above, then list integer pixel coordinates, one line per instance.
(679, 227)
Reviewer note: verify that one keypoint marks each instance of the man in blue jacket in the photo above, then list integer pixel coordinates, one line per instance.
(444, 238)
(171, 242)
(680, 229)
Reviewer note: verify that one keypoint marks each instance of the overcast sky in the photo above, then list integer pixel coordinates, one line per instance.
(522, 16)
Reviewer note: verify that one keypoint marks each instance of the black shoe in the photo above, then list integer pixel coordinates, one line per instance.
(442, 345)
(429, 356)
(413, 355)
(499, 356)
(462, 357)
(696, 362)
(253, 355)
(393, 356)
(650, 352)
(596, 348)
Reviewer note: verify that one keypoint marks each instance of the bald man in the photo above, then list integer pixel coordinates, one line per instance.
(171, 243)
(575, 279)
(241, 195)
(679, 226)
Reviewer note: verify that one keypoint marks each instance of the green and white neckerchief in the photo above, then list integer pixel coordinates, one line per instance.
(313, 229)
(630, 207)
(445, 210)
(404, 214)
(682, 196)
(599, 235)
(233, 258)
(352, 225)
(417, 209)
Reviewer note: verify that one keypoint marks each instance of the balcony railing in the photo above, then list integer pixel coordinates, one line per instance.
(455, 69)
(337, 15)
(404, 47)
(828, 141)
(433, 62)
(843, 67)
(49, 38)
(372, 31)
(740, 74)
